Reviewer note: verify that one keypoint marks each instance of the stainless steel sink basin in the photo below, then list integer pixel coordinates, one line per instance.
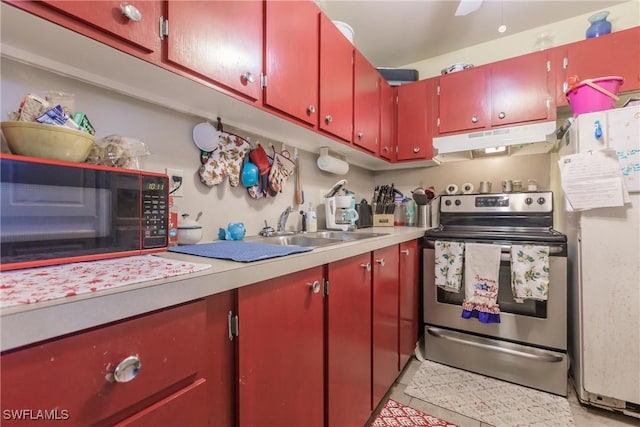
(345, 236)
(299, 240)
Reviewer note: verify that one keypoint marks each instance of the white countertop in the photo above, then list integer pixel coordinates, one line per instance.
(26, 324)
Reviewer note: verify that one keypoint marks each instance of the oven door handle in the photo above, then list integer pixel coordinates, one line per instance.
(547, 357)
(506, 249)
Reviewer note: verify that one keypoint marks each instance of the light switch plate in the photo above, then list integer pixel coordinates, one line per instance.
(176, 181)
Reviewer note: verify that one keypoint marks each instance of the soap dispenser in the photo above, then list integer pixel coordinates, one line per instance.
(312, 219)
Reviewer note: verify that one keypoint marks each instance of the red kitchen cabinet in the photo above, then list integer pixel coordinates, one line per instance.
(336, 81)
(408, 300)
(387, 120)
(281, 351)
(292, 33)
(415, 112)
(366, 104)
(463, 100)
(131, 27)
(384, 321)
(348, 317)
(614, 54)
(219, 41)
(74, 376)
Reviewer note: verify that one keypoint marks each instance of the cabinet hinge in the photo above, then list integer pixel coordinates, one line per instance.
(164, 28)
(565, 62)
(438, 122)
(438, 90)
(548, 65)
(263, 80)
(325, 287)
(232, 321)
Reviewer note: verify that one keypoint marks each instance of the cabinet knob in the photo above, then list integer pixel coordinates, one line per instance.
(474, 119)
(380, 261)
(366, 266)
(315, 287)
(311, 109)
(360, 135)
(404, 251)
(385, 148)
(502, 115)
(126, 370)
(416, 149)
(328, 119)
(131, 12)
(248, 77)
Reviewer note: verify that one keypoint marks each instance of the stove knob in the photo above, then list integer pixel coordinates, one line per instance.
(541, 200)
(447, 202)
(528, 200)
(458, 202)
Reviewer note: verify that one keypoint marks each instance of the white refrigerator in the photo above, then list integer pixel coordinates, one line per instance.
(604, 260)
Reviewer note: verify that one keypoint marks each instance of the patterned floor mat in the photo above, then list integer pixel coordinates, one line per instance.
(491, 401)
(396, 414)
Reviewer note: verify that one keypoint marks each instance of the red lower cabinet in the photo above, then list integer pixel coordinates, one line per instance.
(408, 302)
(384, 321)
(349, 341)
(280, 351)
(81, 379)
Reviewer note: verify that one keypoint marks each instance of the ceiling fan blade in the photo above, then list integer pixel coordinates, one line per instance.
(467, 6)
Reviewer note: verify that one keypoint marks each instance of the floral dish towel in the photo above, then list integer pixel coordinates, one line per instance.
(530, 272)
(448, 265)
(481, 281)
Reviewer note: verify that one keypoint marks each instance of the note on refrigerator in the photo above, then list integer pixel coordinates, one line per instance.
(624, 137)
(593, 180)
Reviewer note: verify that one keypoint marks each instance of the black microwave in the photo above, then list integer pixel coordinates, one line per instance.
(54, 212)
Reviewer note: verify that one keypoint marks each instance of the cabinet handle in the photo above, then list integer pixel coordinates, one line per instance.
(126, 370)
(248, 77)
(502, 115)
(366, 266)
(131, 12)
(360, 135)
(311, 109)
(328, 119)
(380, 261)
(404, 251)
(474, 119)
(416, 149)
(315, 287)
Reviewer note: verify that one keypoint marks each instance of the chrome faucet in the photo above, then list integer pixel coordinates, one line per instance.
(282, 221)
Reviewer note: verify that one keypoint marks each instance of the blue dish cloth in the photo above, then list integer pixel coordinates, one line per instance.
(239, 250)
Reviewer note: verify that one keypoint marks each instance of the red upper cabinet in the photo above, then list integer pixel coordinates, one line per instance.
(384, 321)
(128, 26)
(408, 290)
(220, 41)
(336, 81)
(463, 100)
(366, 104)
(281, 351)
(614, 54)
(387, 121)
(415, 112)
(521, 90)
(292, 32)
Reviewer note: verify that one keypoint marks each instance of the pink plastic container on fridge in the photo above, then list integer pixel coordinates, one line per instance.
(594, 94)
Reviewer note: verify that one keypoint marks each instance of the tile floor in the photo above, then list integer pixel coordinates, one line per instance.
(583, 416)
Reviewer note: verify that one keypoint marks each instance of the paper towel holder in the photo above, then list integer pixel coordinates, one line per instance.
(330, 163)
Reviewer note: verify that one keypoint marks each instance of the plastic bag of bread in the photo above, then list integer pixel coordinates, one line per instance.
(118, 151)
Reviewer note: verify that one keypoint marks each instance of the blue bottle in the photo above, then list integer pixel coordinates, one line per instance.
(599, 25)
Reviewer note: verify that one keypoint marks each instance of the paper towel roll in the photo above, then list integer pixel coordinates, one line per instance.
(467, 188)
(331, 164)
(452, 189)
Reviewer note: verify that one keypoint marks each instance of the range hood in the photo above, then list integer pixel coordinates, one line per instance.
(535, 138)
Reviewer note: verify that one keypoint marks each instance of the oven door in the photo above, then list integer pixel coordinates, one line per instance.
(538, 323)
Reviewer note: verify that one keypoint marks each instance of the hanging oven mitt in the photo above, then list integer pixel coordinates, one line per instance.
(259, 157)
(225, 160)
(281, 170)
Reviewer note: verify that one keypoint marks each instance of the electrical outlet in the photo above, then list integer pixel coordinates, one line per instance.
(176, 181)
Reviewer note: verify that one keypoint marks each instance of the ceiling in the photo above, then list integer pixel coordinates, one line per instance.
(393, 33)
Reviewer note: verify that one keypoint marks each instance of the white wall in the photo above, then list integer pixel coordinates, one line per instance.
(622, 16)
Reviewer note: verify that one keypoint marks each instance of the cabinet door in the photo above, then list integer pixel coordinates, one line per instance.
(385, 321)
(291, 58)
(463, 100)
(614, 54)
(220, 41)
(520, 90)
(408, 312)
(336, 81)
(280, 352)
(349, 341)
(366, 104)
(387, 120)
(414, 120)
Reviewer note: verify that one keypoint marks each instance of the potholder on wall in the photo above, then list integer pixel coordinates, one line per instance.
(260, 158)
(225, 161)
(283, 167)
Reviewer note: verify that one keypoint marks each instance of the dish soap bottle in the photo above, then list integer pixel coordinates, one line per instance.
(173, 223)
(312, 219)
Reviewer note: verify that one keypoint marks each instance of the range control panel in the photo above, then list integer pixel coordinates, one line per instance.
(530, 202)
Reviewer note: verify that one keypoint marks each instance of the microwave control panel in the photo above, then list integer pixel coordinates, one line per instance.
(155, 211)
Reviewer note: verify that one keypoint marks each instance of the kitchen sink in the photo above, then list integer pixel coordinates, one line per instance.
(345, 236)
(317, 239)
